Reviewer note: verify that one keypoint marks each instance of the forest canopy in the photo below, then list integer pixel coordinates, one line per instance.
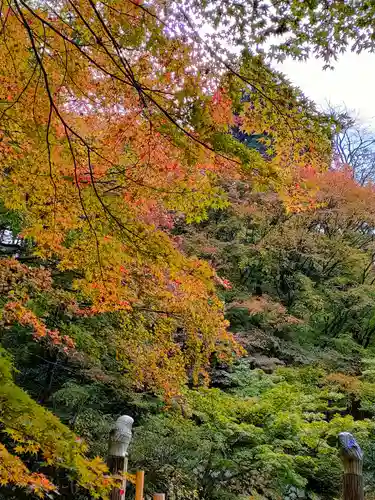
(179, 242)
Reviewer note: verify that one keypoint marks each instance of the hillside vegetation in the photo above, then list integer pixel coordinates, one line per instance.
(181, 241)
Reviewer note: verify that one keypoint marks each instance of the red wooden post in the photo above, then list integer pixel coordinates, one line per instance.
(139, 483)
(159, 496)
(352, 459)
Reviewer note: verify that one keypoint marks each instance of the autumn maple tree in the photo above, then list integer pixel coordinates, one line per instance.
(110, 129)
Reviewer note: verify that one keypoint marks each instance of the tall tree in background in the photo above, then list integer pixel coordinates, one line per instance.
(354, 145)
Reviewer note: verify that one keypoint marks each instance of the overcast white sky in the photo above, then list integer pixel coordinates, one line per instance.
(352, 82)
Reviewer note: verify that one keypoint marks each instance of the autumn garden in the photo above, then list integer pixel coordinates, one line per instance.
(187, 239)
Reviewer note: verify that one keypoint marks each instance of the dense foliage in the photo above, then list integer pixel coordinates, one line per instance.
(176, 245)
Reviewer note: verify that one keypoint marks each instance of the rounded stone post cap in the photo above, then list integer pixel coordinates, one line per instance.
(120, 436)
(349, 446)
(125, 420)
